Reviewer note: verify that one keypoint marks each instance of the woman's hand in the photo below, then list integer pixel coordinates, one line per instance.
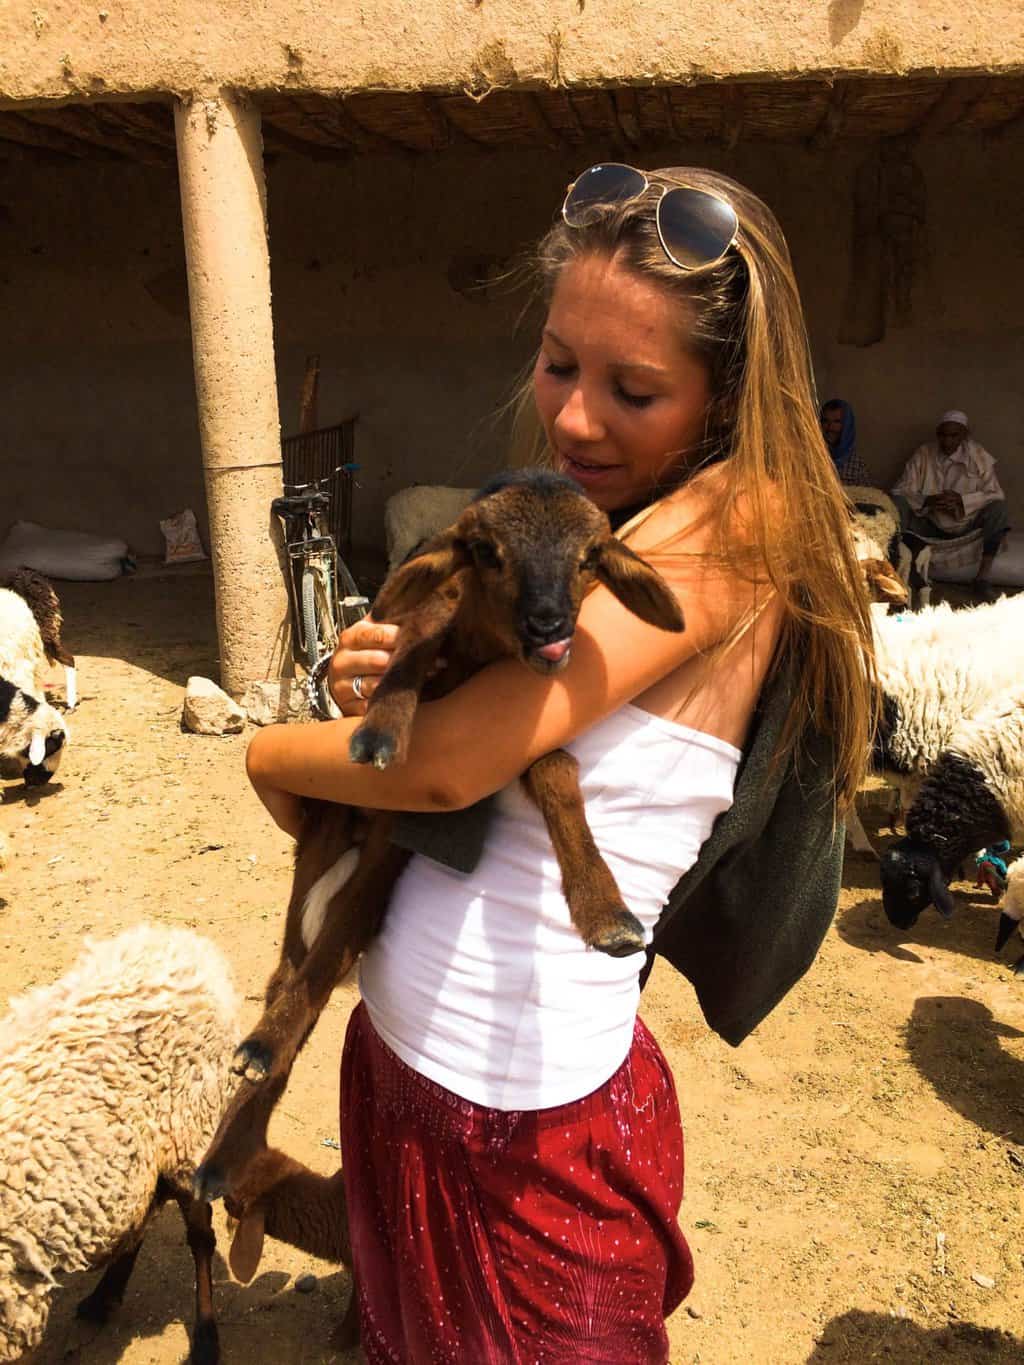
(364, 652)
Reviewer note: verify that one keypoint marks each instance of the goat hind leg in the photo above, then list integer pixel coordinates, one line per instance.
(595, 902)
(350, 921)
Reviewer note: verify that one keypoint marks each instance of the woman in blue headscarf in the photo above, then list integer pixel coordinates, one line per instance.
(839, 427)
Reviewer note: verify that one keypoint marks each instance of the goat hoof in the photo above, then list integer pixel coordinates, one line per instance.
(205, 1344)
(369, 745)
(208, 1183)
(623, 937)
(252, 1061)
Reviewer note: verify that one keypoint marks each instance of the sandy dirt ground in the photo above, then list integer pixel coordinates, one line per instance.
(855, 1171)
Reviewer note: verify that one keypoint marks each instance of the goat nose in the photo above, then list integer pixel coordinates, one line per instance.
(547, 625)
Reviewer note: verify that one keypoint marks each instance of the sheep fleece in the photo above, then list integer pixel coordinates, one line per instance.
(111, 1077)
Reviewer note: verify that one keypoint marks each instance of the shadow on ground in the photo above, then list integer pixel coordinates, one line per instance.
(165, 625)
(266, 1322)
(860, 1337)
(970, 933)
(956, 1044)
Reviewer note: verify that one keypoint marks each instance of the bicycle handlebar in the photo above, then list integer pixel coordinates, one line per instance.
(293, 489)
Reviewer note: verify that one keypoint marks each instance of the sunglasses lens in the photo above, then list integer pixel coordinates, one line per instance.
(600, 186)
(696, 228)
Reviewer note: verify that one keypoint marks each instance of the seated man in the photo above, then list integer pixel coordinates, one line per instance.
(840, 432)
(949, 487)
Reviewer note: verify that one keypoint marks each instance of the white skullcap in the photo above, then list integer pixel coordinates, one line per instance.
(954, 415)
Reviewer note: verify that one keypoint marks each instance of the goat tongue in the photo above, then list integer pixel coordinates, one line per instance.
(556, 651)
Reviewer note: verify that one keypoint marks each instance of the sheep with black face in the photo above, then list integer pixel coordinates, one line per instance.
(32, 735)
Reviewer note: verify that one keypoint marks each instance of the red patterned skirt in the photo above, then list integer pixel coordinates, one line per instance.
(535, 1238)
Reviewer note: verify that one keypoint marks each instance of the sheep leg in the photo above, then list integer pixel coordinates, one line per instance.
(106, 1298)
(595, 903)
(383, 737)
(202, 1242)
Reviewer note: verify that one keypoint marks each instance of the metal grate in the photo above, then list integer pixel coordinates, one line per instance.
(315, 455)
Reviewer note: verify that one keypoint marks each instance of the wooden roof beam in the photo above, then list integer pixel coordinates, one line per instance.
(955, 99)
(277, 139)
(535, 119)
(82, 122)
(139, 120)
(336, 119)
(676, 122)
(627, 112)
(607, 107)
(833, 120)
(446, 131)
(18, 128)
(732, 115)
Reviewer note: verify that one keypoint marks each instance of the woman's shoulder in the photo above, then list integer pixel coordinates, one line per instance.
(709, 513)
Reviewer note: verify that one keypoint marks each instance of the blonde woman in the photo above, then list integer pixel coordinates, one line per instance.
(510, 1130)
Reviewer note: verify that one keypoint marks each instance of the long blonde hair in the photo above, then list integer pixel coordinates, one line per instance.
(742, 317)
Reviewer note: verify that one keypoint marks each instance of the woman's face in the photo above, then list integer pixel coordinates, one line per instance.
(621, 400)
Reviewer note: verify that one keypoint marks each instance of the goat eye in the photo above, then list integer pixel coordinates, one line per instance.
(485, 554)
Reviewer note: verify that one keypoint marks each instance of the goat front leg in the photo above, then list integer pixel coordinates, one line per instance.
(595, 903)
(383, 737)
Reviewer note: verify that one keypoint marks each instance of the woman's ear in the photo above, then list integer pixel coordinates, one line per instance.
(637, 586)
(413, 582)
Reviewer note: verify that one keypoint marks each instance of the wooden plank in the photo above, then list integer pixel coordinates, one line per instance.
(79, 121)
(535, 119)
(29, 133)
(732, 115)
(833, 121)
(953, 102)
(627, 115)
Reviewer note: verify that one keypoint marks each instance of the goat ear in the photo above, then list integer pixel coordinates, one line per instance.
(247, 1245)
(413, 582)
(941, 894)
(637, 586)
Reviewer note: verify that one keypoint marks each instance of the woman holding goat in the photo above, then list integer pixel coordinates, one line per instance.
(510, 1130)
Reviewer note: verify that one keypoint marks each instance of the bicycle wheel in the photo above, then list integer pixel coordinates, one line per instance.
(352, 604)
(319, 628)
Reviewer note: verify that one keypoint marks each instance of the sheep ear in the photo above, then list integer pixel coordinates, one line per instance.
(413, 582)
(637, 586)
(37, 750)
(247, 1245)
(941, 895)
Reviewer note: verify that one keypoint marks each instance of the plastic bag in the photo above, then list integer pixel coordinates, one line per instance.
(181, 535)
(74, 555)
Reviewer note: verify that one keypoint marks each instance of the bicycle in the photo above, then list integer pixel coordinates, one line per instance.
(316, 573)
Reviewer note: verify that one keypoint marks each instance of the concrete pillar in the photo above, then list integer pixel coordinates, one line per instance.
(223, 210)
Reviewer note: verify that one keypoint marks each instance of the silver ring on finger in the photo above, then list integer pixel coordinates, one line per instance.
(357, 686)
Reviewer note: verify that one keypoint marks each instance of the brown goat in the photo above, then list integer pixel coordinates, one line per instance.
(506, 580)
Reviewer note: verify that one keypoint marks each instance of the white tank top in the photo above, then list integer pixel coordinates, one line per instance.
(480, 982)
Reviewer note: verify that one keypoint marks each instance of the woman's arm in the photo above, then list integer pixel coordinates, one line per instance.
(489, 730)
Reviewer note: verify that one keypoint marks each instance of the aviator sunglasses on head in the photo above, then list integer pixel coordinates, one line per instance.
(695, 228)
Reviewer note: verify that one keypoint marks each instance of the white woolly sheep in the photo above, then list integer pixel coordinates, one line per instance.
(22, 656)
(416, 514)
(32, 735)
(39, 593)
(1012, 910)
(936, 667)
(112, 1083)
